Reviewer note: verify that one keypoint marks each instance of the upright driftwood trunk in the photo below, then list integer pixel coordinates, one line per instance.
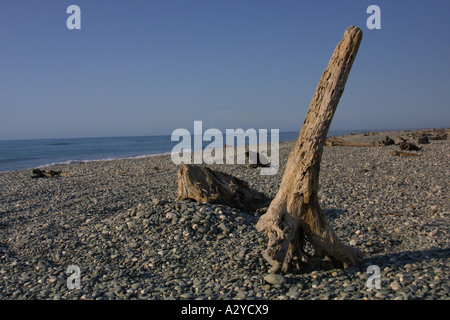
(294, 216)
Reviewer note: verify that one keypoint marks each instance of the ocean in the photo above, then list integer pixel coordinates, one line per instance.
(27, 154)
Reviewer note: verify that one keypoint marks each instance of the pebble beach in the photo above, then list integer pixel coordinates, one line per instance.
(119, 223)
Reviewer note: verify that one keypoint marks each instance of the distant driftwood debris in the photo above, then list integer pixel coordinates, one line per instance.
(38, 173)
(422, 136)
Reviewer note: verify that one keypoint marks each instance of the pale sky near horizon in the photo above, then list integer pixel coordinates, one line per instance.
(150, 67)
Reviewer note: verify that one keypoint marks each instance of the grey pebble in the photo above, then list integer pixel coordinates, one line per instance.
(187, 296)
(224, 227)
(274, 278)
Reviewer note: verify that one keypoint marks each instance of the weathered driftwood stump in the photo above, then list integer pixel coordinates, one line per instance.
(203, 184)
(294, 216)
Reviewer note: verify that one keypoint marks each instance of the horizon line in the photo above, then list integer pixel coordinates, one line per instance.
(162, 135)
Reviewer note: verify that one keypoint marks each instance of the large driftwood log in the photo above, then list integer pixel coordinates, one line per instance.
(294, 216)
(203, 184)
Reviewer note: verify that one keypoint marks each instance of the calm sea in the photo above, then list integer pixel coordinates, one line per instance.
(25, 154)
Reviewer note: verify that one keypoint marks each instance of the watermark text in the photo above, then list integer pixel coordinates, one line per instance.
(213, 153)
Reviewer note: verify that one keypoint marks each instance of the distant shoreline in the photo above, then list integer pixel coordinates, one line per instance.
(29, 156)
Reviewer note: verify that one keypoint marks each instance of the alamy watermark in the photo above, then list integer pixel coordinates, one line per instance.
(374, 280)
(74, 280)
(73, 22)
(374, 21)
(213, 153)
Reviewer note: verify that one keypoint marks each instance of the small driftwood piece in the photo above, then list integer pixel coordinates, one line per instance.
(38, 173)
(399, 140)
(404, 154)
(408, 146)
(338, 142)
(423, 140)
(294, 216)
(436, 134)
(438, 137)
(386, 141)
(203, 184)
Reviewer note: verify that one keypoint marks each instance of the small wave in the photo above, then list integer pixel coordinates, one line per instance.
(60, 144)
(60, 163)
(68, 162)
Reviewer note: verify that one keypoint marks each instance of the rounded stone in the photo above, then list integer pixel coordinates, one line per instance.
(273, 278)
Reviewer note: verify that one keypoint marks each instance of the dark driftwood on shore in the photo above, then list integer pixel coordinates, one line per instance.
(295, 216)
(203, 184)
(438, 137)
(432, 134)
(423, 140)
(408, 146)
(387, 141)
(38, 173)
(259, 163)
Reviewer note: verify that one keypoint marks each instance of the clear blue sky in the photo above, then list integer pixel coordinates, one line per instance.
(149, 67)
